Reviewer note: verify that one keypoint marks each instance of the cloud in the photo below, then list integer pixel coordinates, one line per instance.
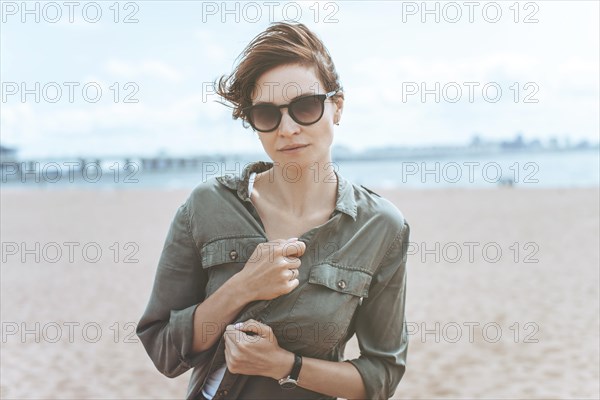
(450, 70)
(151, 68)
(170, 57)
(180, 125)
(210, 46)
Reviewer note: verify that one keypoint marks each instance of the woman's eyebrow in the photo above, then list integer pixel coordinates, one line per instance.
(292, 99)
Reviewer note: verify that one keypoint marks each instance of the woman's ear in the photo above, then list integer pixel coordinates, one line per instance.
(339, 107)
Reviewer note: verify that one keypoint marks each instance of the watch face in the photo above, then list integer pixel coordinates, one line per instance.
(289, 384)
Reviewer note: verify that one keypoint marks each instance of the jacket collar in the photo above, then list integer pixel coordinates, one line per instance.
(345, 201)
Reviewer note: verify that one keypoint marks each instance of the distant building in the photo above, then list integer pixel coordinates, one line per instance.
(7, 155)
(517, 143)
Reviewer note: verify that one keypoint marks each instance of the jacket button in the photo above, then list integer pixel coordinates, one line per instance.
(342, 284)
(233, 255)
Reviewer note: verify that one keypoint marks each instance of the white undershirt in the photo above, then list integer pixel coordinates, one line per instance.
(214, 380)
(251, 183)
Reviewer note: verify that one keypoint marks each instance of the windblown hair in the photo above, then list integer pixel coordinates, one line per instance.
(280, 44)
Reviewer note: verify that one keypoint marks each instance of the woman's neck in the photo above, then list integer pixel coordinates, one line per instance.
(300, 191)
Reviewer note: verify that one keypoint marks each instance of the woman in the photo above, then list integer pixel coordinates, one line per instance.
(266, 275)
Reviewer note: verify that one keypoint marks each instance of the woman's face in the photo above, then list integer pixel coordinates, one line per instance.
(281, 85)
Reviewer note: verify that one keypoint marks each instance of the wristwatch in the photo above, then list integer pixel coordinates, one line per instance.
(291, 381)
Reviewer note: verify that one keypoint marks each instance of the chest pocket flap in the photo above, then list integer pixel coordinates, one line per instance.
(353, 282)
(237, 249)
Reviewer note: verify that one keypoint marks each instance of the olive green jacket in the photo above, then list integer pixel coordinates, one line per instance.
(352, 280)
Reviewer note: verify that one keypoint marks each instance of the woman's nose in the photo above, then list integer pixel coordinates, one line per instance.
(287, 126)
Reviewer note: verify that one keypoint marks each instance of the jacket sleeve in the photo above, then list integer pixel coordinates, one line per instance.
(380, 324)
(166, 329)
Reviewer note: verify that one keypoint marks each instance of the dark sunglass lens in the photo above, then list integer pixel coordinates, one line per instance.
(307, 110)
(265, 118)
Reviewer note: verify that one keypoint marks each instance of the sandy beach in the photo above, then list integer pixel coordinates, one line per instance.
(502, 298)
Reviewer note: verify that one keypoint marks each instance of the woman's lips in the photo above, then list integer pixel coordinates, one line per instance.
(295, 149)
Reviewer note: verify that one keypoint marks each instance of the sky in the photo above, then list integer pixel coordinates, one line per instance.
(133, 78)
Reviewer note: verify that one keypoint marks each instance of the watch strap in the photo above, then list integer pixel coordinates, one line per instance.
(296, 368)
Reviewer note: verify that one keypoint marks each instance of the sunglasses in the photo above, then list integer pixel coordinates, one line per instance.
(305, 110)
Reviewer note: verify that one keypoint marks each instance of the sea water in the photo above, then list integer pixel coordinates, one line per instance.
(563, 169)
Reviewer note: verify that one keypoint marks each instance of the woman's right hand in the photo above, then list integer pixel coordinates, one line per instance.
(267, 273)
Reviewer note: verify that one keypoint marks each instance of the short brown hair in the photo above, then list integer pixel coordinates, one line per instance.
(280, 44)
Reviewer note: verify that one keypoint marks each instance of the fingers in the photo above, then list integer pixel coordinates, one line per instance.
(286, 247)
(282, 241)
(293, 248)
(293, 283)
(246, 325)
(290, 249)
(293, 273)
(250, 327)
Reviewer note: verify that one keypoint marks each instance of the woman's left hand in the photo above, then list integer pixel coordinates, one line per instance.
(255, 355)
